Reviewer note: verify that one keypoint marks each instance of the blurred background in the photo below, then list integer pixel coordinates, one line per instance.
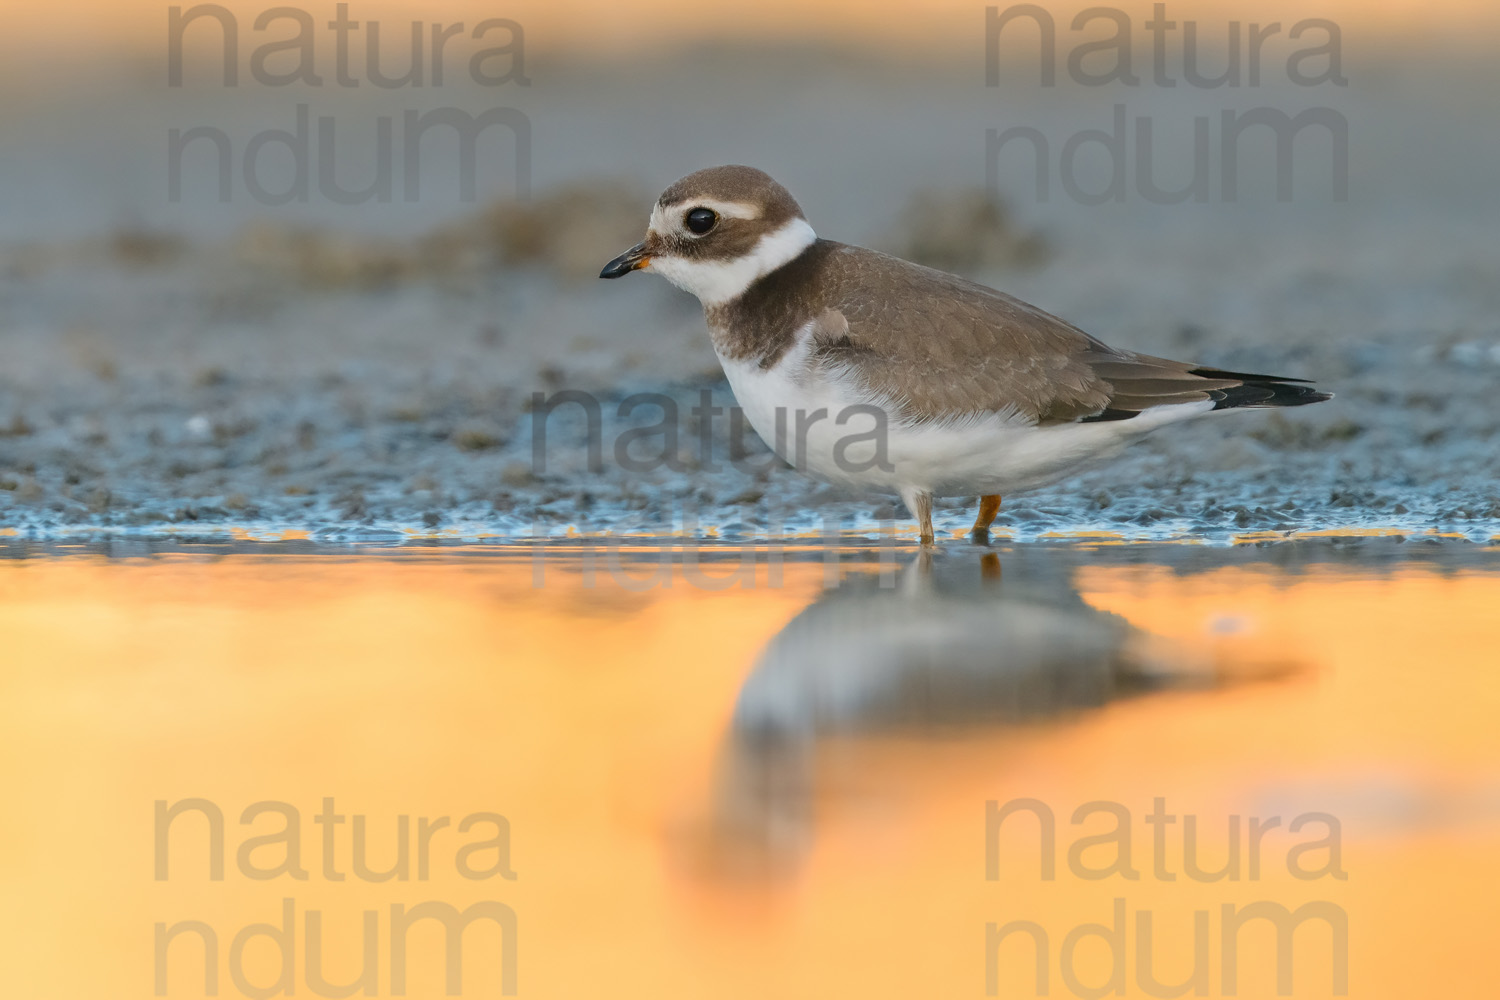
(189, 351)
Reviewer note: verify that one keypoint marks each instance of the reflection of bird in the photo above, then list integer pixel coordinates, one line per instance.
(939, 654)
(873, 372)
(932, 657)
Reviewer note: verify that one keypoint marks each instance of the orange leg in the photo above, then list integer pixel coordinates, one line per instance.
(989, 508)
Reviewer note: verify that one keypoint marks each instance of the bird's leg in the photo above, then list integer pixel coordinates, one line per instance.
(919, 502)
(989, 508)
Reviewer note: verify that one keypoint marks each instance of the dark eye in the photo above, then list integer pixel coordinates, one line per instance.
(701, 220)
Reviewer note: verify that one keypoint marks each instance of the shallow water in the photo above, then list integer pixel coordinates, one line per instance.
(755, 772)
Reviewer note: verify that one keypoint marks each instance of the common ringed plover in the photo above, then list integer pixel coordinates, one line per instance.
(872, 372)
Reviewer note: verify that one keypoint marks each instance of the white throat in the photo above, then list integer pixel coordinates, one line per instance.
(719, 281)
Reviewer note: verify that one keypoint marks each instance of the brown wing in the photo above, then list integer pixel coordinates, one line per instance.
(939, 347)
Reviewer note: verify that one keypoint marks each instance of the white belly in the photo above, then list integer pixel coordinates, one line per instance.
(823, 426)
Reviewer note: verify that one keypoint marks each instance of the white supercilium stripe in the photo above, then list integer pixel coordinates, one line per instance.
(719, 281)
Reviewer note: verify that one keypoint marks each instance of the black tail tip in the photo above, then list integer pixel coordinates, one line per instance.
(1261, 390)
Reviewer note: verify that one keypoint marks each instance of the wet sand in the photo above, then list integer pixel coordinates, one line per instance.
(370, 371)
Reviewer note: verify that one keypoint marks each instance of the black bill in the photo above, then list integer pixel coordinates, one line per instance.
(632, 259)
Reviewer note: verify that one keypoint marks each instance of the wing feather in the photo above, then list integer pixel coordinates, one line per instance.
(937, 347)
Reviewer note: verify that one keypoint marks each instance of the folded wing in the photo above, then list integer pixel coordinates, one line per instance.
(935, 347)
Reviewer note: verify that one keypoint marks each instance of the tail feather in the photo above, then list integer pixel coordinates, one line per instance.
(1260, 390)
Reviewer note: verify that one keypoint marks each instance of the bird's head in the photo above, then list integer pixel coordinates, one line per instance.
(716, 231)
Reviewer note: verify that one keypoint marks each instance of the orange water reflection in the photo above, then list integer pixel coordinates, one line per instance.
(709, 795)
